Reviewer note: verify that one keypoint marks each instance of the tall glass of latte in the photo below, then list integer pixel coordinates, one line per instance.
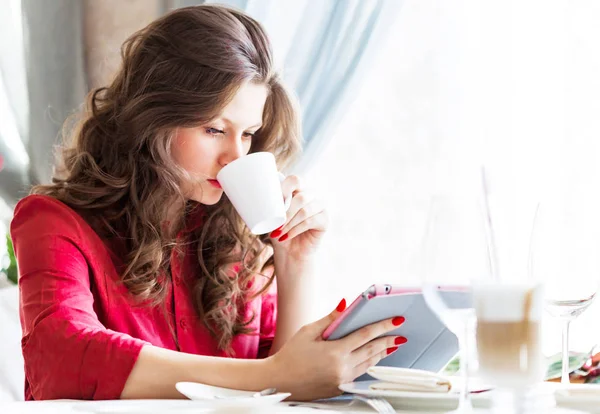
(509, 339)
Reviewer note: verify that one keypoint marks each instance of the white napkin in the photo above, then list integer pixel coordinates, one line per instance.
(404, 379)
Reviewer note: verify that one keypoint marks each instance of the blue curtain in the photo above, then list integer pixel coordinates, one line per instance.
(326, 48)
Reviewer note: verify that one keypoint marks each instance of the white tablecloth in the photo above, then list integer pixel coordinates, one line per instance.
(79, 407)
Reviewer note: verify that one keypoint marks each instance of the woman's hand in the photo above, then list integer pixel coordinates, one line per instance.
(306, 221)
(311, 368)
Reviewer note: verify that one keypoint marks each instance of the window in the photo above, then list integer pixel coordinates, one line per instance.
(511, 84)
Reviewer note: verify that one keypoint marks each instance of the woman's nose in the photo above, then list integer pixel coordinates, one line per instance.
(232, 151)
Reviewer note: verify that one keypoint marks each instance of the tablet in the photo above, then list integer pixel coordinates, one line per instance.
(430, 344)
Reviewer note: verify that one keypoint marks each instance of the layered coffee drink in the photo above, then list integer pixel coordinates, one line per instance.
(509, 341)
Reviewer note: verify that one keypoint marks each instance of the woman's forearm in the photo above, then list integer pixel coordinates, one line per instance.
(157, 370)
(294, 287)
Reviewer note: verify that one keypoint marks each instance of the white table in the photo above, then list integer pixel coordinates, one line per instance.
(77, 407)
(544, 396)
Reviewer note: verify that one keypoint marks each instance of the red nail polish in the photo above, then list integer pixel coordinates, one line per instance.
(341, 306)
(400, 340)
(283, 238)
(398, 320)
(392, 349)
(276, 233)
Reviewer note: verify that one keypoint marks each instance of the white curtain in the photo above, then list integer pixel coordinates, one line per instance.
(325, 49)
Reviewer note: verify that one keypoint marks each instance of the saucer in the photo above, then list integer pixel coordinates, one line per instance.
(217, 397)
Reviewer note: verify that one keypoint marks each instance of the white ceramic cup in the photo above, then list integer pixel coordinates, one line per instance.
(253, 185)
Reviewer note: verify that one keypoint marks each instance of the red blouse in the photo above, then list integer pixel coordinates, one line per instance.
(82, 330)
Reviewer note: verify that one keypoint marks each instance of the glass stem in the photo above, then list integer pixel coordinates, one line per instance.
(519, 401)
(464, 400)
(565, 352)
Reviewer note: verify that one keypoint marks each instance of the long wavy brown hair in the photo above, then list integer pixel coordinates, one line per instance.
(116, 168)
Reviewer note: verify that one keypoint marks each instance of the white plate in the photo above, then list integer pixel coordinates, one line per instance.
(585, 397)
(219, 397)
(415, 400)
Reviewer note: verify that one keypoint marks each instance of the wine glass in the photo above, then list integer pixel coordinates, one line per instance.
(565, 257)
(454, 256)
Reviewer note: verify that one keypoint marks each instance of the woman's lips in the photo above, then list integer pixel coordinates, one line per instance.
(214, 183)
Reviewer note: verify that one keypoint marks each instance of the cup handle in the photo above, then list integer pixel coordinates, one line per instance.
(288, 201)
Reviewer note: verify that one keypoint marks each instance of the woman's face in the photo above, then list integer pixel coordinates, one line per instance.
(204, 150)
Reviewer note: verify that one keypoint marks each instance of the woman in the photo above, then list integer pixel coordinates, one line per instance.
(136, 272)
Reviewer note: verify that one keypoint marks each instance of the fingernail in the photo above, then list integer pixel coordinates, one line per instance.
(276, 232)
(400, 340)
(392, 349)
(341, 306)
(283, 238)
(398, 320)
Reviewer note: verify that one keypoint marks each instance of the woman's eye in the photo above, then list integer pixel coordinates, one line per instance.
(248, 135)
(214, 131)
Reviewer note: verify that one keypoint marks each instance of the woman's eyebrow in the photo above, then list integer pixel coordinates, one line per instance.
(227, 121)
